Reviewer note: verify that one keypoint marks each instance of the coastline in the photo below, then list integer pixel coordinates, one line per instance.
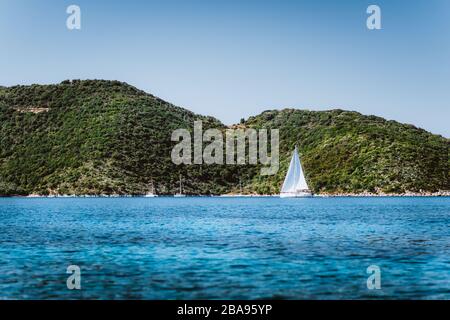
(405, 194)
(232, 195)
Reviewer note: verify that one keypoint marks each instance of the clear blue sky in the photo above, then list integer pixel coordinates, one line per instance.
(232, 59)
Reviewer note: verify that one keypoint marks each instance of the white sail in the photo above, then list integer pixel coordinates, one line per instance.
(290, 181)
(295, 181)
(301, 182)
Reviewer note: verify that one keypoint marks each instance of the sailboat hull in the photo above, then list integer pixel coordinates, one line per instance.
(301, 194)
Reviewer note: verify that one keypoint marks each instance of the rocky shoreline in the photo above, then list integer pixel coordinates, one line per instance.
(442, 193)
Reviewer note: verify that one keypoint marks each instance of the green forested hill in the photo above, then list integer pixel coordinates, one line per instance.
(107, 137)
(94, 137)
(346, 152)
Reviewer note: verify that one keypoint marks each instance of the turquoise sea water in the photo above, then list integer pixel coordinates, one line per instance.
(225, 248)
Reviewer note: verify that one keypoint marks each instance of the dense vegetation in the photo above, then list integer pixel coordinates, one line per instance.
(346, 152)
(107, 137)
(96, 137)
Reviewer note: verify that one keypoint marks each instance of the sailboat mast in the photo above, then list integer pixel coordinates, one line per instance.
(180, 185)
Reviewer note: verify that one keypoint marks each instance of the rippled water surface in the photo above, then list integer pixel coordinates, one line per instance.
(229, 248)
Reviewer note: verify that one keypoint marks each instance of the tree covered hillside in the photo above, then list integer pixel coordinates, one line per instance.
(107, 137)
(347, 152)
(96, 137)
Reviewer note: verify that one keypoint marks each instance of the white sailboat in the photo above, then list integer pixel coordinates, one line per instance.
(180, 194)
(151, 194)
(295, 185)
